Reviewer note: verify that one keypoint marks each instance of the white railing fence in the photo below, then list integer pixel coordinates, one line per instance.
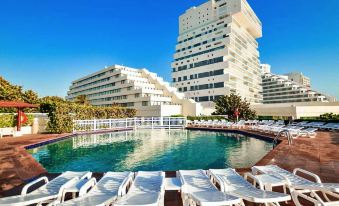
(129, 123)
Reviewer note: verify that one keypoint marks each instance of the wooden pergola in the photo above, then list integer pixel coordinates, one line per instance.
(19, 106)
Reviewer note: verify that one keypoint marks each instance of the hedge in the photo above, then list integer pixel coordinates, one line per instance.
(61, 115)
(10, 120)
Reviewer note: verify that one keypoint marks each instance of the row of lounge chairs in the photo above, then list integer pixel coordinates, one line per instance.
(144, 188)
(198, 188)
(268, 126)
(294, 131)
(217, 124)
(242, 123)
(318, 125)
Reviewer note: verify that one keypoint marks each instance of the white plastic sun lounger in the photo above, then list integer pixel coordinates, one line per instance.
(301, 187)
(233, 184)
(330, 126)
(111, 186)
(148, 189)
(48, 192)
(308, 132)
(197, 189)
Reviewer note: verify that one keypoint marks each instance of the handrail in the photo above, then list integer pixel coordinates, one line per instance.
(129, 123)
(287, 134)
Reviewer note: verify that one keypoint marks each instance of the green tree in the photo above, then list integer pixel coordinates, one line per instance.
(10, 92)
(81, 99)
(229, 104)
(51, 99)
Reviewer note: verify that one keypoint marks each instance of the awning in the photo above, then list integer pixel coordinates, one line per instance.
(12, 104)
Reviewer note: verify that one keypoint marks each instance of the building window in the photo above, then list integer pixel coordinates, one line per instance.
(203, 99)
(144, 103)
(130, 104)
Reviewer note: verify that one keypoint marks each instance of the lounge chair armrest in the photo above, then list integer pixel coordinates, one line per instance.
(123, 187)
(184, 188)
(89, 184)
(253, 177)
(88, 175)
(62, 188)
(26, 187)
(316, 177)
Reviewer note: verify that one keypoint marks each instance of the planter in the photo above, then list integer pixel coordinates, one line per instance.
(12, 131)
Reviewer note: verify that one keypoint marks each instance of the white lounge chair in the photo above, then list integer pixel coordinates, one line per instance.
(148, 189)
(301, 124)
(195, 123)
(315, 124)
(330, 126)
(301, 187)
(197, 189)
(233, 184)
(48, 192)
(111, 186)
(239, 125)
(308, 132)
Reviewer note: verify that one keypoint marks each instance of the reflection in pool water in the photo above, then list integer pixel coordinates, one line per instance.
(166, 150)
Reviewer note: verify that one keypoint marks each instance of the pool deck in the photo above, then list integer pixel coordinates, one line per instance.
(319, 155)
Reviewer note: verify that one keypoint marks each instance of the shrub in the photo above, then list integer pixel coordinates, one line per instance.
(61, 115)
(10, 120)
(329, 116)
(177, 115)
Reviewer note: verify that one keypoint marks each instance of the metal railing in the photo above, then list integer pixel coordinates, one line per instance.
(287, 134)
(129, 123)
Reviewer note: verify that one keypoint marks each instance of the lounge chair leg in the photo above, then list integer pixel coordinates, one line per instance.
(295, 198)
(326, 197)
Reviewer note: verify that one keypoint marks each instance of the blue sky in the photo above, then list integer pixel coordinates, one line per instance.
(46, 44)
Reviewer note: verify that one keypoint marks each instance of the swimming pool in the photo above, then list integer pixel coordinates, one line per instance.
(167, 150)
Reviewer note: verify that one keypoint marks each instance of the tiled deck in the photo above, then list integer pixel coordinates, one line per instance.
(319, 155)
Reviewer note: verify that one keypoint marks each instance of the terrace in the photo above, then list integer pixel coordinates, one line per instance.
(318, 155)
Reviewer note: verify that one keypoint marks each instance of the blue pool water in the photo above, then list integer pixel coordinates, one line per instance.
(166, 150)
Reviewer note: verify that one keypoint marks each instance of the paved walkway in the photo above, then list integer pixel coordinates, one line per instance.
(319, 155)
(16, 165)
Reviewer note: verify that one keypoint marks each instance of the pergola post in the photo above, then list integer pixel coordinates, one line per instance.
(19, 106)
(18, 123)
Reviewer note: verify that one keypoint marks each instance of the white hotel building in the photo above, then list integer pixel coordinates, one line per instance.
(280, 89)
(133, 88)
(217, 52)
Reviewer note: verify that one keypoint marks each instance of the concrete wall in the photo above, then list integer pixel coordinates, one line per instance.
(39, 126)
(159, 110)
(296, 110)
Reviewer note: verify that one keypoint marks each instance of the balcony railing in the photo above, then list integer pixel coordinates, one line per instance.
(129, 123)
